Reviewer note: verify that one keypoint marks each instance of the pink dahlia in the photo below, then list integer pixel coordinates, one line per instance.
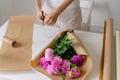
(53, 69)
(57, 60)
(73, 73)
(55, 66)
(44, 63)
(65, 67)
(49, 54)
(77, 59)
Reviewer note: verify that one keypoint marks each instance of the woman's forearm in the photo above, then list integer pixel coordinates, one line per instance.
(38, 5)
(63, 6)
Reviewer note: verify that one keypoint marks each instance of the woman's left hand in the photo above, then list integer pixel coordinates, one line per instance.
(51, 17)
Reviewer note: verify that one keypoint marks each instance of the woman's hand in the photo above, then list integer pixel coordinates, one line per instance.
(51, 17)
(39, 14)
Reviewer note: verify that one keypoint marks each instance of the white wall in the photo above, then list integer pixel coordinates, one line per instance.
(15, 7)
(104, 9)
(114, 6)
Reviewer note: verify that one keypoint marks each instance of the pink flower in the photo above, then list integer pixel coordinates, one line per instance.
(55, 65)
(65, 67)
(44, 63)
(49, 54)
(73, 73)
(77, 59)
(57, 60)
(52, 69)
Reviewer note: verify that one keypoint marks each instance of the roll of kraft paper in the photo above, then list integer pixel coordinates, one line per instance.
(106, 58)
(9, 41)
(118, 55)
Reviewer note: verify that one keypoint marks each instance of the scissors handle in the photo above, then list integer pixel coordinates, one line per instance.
(42, 17)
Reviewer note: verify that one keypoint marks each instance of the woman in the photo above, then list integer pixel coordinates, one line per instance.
(64, 14)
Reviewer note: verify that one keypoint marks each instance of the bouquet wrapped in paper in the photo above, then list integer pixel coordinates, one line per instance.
(65, 57)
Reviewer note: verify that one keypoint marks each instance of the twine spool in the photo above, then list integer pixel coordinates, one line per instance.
(9, 41)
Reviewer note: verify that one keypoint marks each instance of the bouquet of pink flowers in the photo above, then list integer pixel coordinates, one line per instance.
(62, 59)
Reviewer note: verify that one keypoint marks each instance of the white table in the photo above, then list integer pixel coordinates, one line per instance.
(41, 36)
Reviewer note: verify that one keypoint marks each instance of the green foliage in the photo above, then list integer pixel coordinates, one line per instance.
(62, 47)
(73, 66)
(60, 73)
(63, 78)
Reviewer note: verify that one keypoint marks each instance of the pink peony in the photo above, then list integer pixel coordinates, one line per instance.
(77, 59)
(49, 54)
(73, 73)
(44, 63)
(65, 67)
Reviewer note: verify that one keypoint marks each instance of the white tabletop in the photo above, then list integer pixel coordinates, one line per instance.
(41, 36)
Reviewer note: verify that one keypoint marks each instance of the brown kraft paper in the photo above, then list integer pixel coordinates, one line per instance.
(106, 58)
(20, 29)
(77, 46)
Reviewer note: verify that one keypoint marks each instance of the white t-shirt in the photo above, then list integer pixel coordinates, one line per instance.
(56, 3)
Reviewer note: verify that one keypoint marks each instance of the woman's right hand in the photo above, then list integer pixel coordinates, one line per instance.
(39, 14)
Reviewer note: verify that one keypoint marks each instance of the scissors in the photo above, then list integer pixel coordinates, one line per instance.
(42, 17)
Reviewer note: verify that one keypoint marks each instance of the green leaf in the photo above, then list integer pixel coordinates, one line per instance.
(60, 73)
(62, 47)
(57, 42)
(65, 37)
(63, 78)
(73, 66)
(69, 42)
